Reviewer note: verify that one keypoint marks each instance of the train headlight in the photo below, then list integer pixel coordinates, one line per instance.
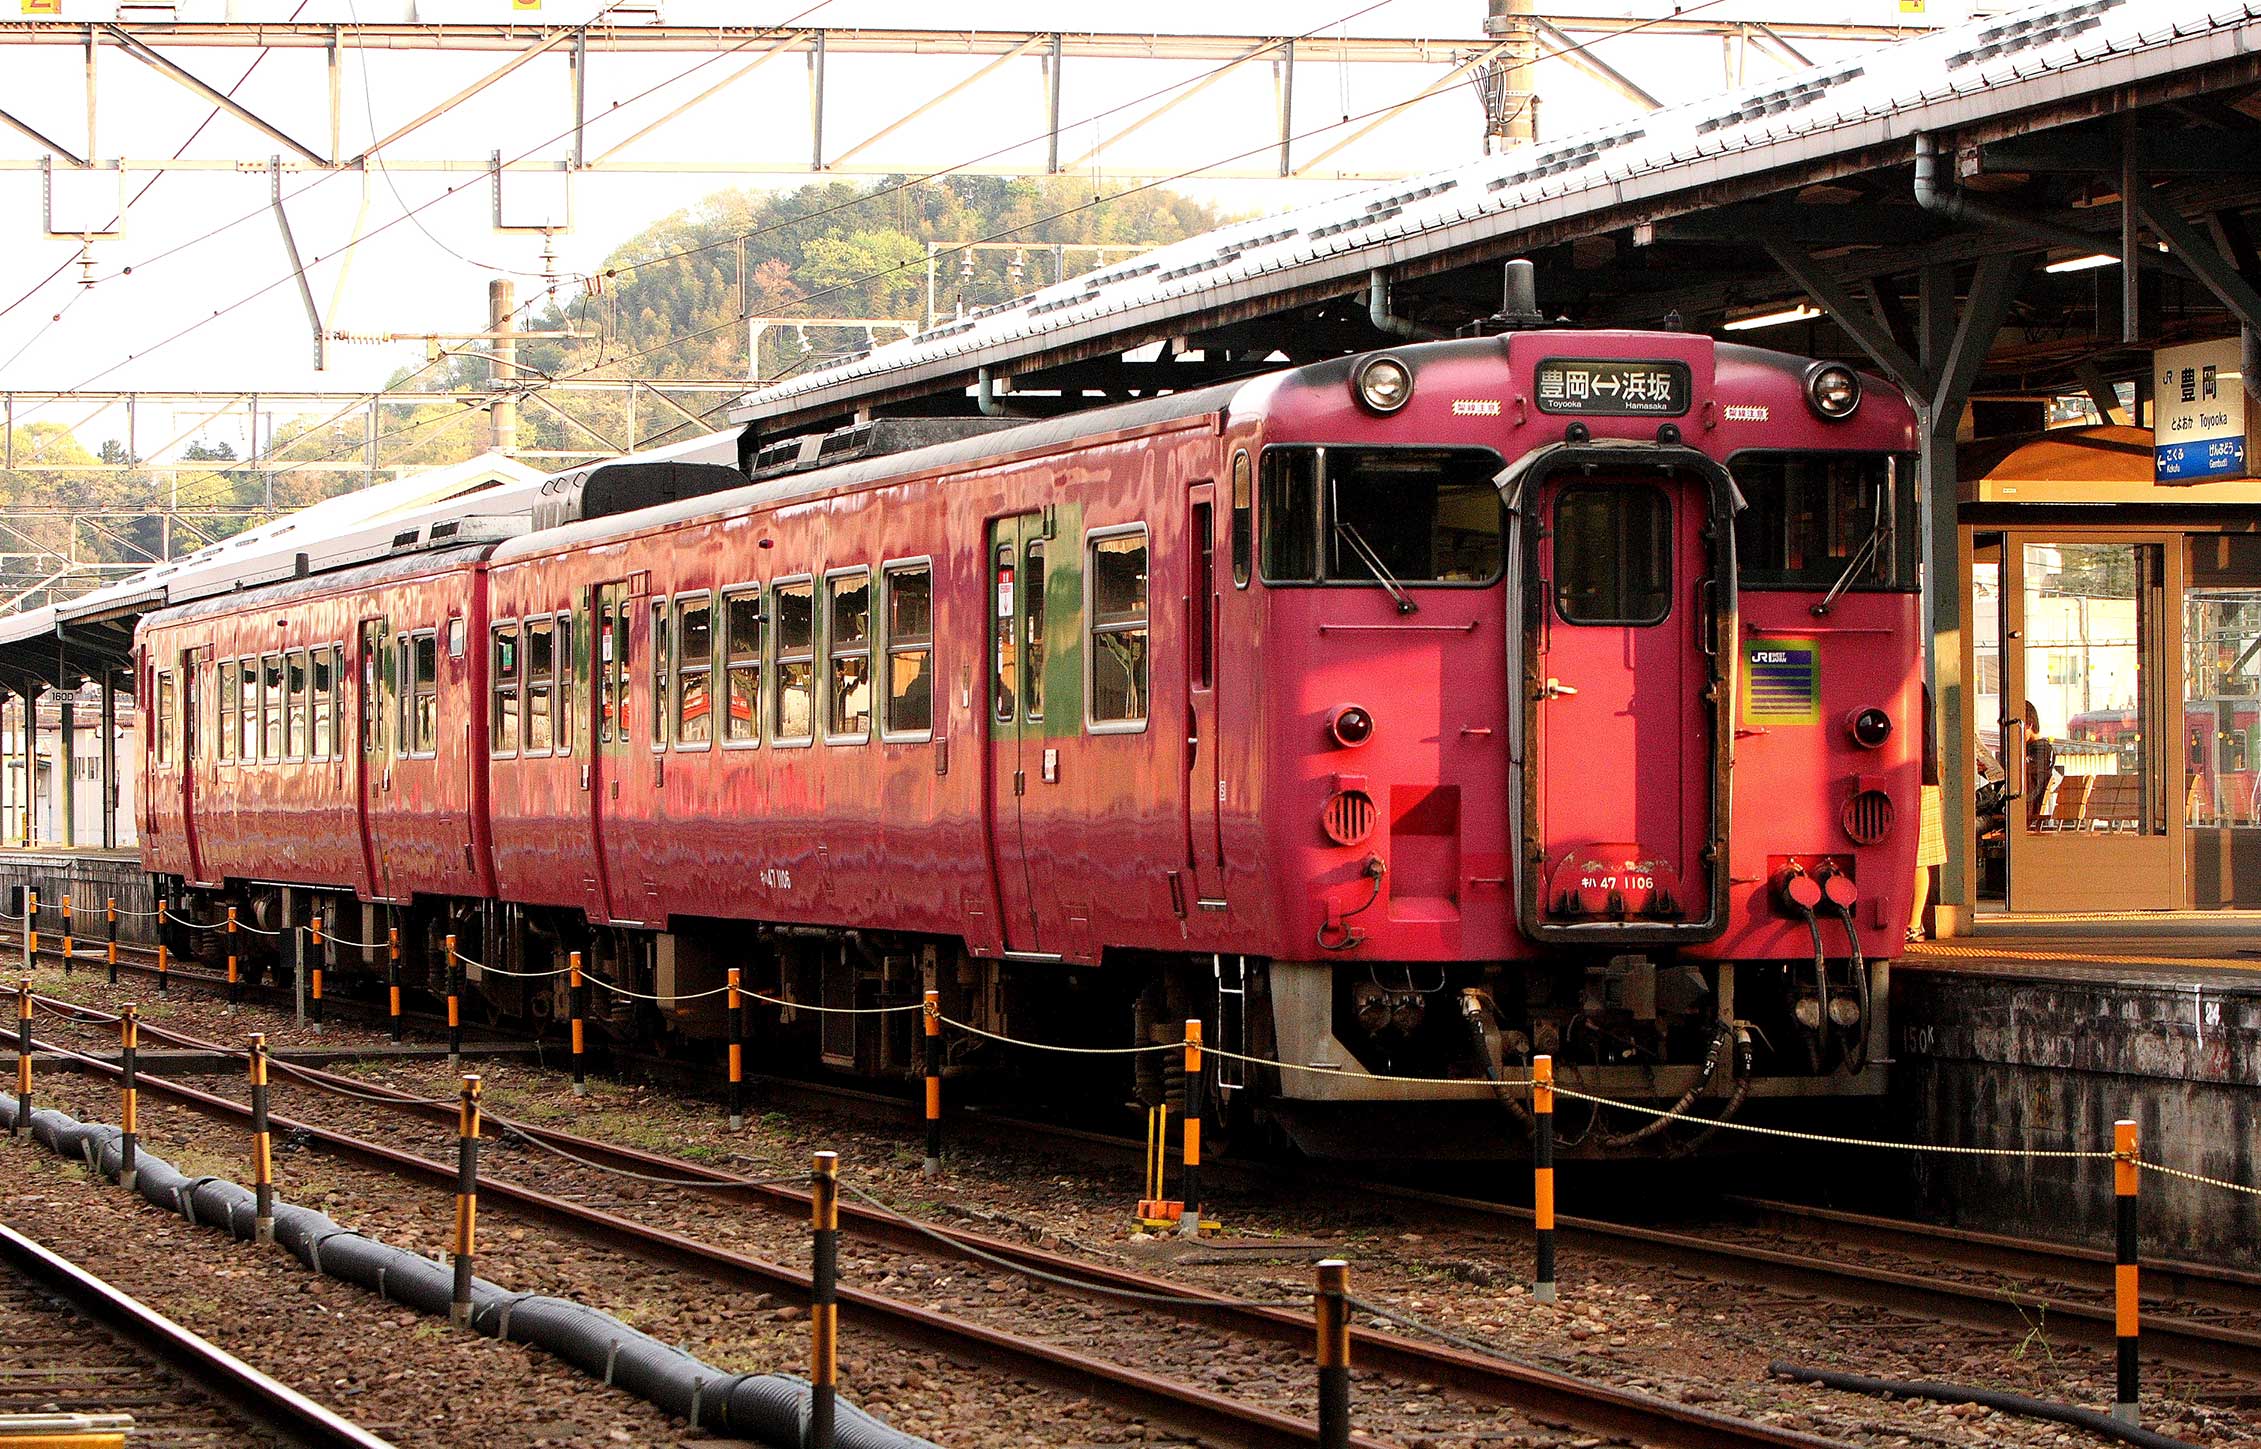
(1351, 725)
(1833, 390)
(1869, 727)
(1383, 384)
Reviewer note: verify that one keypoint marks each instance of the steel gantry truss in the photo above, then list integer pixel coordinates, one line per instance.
(604, 141)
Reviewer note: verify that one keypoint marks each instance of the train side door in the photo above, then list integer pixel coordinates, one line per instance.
(1623, 809)
(607, 699)
(373, 674)
(196, 694)
(1016, 743)
(1204, 738)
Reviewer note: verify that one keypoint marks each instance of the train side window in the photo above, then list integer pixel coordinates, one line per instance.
(794, 716)
(325, 686)
(424, 695)
(294, 670)
(847, 644)
(1291, 514)
(231, 710)
(247, 692)
(742, 649)
(541, 672)
(568, 724)
(372, 689)
(502, 711)
(167, 704)
(1032, 630)
(608, 642)
(1244, 519)
(910, 652)
(1116, 581)
(1006, 690)
(1612, 554)
(661, 659)
(694, 671)
(271, 703)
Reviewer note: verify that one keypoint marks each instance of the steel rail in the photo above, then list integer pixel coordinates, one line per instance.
(205, 1365)
(1530, 1389)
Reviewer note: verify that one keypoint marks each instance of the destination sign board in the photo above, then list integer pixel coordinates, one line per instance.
(1610, 387)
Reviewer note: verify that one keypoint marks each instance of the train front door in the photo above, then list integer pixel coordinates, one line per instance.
(1015, 599)
(1626, 618)
(2092, 768)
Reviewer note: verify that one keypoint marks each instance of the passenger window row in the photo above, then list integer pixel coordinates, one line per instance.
(277, 707)
(530, 677)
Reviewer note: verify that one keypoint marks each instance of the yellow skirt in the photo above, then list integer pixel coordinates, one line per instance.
(1931, 839)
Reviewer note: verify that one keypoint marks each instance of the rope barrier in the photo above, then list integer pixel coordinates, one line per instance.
(179, 920)
(1059, 1280)
(386, 1097)
(641, 996)
(830, 1010)
(1442, 1335)
(331, 938)
(1523, 1084)
(969, 1028)
(2199, 1177)
(2066, 1153)
(485, 970)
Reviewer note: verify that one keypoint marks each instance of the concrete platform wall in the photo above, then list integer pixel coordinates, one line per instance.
(90, 878)
(2003, 1059)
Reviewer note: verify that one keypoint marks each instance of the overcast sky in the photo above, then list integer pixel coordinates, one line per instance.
(430, 273)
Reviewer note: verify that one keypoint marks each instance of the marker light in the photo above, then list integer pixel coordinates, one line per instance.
(1870, 727)
(1834, 390)
(1383, 384)
(1352, 725)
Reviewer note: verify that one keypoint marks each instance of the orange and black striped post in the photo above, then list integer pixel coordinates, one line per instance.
(577, 1003)
(2127, 1172)
(235, 972)
(824, 1299)
(129, 1092)
(466, 1200)
(23, 1056)
(737, 1055)
(1189, 1224)
(392, 977)
(1331, 1304)
(164, 968)
(314, 975)
(1542, 1174)
(262, 1145)
(454, 1005)
(31, 929)
(110, 935)
(933, 1016)
(67, 933)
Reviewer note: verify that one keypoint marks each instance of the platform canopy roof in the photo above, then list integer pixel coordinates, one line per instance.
(1689, 210)
(489, 496)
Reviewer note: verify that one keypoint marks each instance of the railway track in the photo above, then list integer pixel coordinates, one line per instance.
(1526, 1388)
(2197, 1317)
(77, 1345)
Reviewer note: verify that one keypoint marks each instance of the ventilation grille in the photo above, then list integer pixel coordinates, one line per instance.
(1349, 817)
(1868, 817)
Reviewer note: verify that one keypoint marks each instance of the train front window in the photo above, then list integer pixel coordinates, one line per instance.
(1381, 516)
(1811, 520)
(1612, 554)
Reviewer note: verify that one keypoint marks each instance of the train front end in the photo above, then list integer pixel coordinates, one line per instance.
(1594, 729)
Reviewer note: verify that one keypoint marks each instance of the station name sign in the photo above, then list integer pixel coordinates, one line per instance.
(1608, 387)
(2202, 424)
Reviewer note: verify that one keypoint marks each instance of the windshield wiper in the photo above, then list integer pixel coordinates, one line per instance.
(1373, 562)
(1860, 560)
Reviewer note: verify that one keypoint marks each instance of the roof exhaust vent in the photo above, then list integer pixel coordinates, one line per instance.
(1519, 303)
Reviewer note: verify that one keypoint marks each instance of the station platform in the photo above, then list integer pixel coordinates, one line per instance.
(2036, 1035)
(90, 875)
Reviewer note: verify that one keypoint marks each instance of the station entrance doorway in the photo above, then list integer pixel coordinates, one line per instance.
(2115, 699)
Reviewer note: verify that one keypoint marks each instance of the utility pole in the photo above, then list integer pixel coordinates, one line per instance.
(1508, 85)
(502, 364)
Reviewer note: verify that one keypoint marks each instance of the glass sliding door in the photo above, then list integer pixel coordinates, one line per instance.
(2095, 808)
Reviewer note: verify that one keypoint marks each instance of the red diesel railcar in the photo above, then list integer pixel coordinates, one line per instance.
(1402, 716)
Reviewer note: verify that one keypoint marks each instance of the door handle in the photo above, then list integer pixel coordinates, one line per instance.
(1556, 689)
(584, 777)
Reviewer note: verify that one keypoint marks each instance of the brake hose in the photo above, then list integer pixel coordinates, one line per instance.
(1818, 1038)
(1376, 868)
(1672, 1114)
(1857, 1053)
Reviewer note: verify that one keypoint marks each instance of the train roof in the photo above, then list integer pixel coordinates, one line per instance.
(1034, 435)
(397, 569)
